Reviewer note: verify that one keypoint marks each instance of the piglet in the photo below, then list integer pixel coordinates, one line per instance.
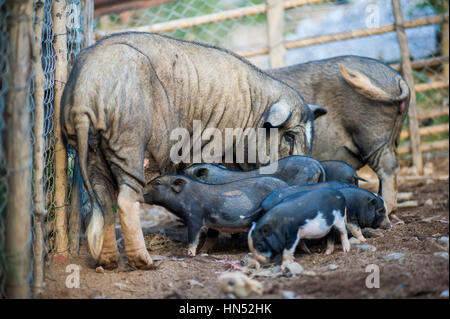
(222, 207)
(309, 215)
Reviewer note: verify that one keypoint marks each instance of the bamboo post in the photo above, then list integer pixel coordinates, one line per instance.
(275, 31)
(38, 150)
(18, 151)
(88, 23)
(61, 70)
(407, 73)
(444, 27)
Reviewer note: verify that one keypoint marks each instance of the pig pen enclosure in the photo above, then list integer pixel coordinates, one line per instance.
(43, 204)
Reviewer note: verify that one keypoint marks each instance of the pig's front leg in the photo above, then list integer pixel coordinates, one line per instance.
(194, 227)
(288, 252)
(384, 163)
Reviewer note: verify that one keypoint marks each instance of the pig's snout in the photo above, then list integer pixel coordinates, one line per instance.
(386, 224)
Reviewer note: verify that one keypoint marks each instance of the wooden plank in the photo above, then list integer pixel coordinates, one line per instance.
(407, 74)
(275, 31)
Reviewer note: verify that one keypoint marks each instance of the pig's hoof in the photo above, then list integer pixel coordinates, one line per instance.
(141, 259)
(328, 252)
(192, 250)
(108, 261)
(346, 247)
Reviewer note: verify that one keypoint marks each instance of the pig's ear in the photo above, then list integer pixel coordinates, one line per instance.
(317, 110)
(266, 230)
(372, 202)
(277, 114)
(202, 172)
(178, 184)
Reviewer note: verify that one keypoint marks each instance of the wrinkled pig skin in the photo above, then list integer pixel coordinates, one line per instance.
(126, 94)
(367, 103)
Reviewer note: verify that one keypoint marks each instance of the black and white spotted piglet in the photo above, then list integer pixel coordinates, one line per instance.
(307, 216)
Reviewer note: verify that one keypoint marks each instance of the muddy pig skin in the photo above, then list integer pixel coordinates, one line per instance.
(294, 170)
(223, 207)
(340, 171)
(307, 216)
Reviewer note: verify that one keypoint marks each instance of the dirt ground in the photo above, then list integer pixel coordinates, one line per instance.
(418, 233)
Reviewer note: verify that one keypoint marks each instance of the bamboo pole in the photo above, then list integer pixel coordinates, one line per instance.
(445, 36)
(432, 113)
(424, 63)
(61, 70)
(431, 86)
(18, 150)
(38, 150)
(426, 147)
(407, 74)
(88, 12)
(428, 130)
(347, 35)
(275, 31)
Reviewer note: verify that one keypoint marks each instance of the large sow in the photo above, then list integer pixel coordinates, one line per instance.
(367, 102)
(129, 91)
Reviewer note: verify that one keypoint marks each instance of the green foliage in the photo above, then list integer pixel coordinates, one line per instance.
(439, 6)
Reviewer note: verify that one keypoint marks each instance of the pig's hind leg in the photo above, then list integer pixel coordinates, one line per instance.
(355, 230)
(103, 187)
(331, 238)
(210, 241)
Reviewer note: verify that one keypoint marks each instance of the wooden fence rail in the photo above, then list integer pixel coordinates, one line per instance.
(353, 34)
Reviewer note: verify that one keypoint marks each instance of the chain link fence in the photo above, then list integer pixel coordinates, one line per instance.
(47, 60)
(308, 30)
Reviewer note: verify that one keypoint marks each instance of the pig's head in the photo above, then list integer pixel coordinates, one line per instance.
(205, 172)
(166, 191)
(376, 214)
(263, 241)
(294, 119)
